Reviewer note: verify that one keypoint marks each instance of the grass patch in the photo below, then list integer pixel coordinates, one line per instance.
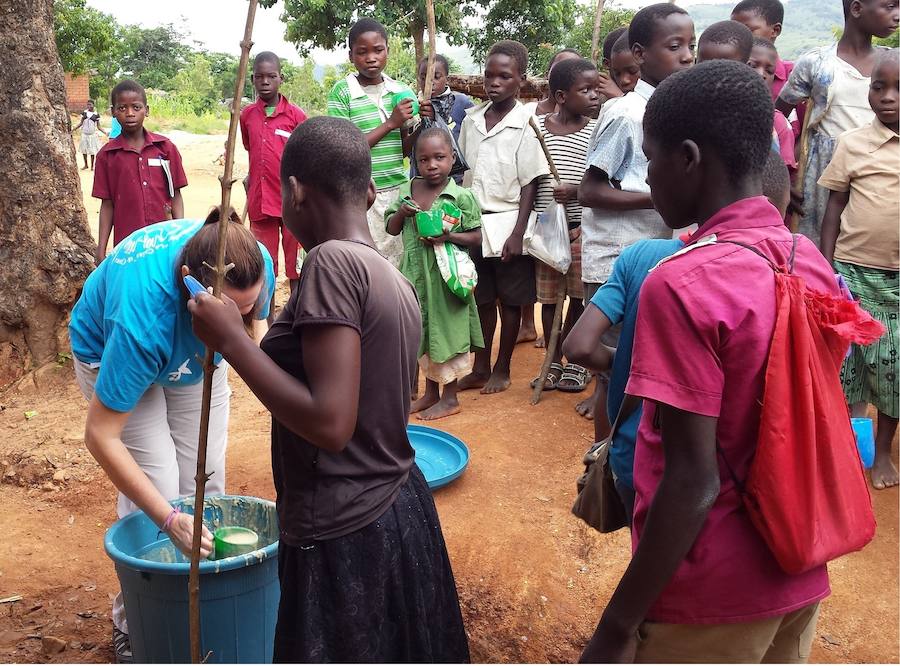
(175, 112)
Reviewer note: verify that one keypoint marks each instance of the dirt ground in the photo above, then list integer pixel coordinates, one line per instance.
(532, 579)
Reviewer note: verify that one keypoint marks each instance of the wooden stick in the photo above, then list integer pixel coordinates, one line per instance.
(537, 133)
(801, 164)
(595, 39)
(209, 367)
(432, 49)
(552, 341)
(550, 347)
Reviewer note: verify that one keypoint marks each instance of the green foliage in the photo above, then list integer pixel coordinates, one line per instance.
(153, 56)
(195, 85)
(81, 34)
(893, 41)
(301, 87)
(174, 111)
(545, 26)
(402, 64)
(325, 24)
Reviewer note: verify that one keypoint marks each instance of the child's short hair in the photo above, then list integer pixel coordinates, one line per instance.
(642, 26)
(564, 74)
(721, 105)
(91, 102)
(127, 86)
(362, 26)
(438, 58)
(764, 44)
(438, 132)
(559, 53)
(331, 155)
(267, 56)
(513, 49)
(732, 33)
(610, 40)
(621, 44)
(776, 181)
(771, 10)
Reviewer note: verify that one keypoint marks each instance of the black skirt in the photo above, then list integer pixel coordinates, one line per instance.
(384, 593)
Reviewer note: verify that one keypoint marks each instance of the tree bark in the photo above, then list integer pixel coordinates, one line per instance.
(417, 32)
(46, 249)
(473, 85)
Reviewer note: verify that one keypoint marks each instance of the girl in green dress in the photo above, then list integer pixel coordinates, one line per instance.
(450, 325)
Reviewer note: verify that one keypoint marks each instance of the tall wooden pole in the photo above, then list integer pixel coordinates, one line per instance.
(209, 367)
(801, 165)
(432, 49)
(595, 39)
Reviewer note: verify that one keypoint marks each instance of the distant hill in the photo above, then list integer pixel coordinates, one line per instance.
(807, 23)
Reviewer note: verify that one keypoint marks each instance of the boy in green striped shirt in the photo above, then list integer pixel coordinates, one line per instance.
(366, 98)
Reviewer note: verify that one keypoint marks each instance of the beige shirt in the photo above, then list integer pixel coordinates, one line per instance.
(866, 163)
(502, 161)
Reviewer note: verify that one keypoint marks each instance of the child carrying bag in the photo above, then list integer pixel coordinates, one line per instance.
(806, 491)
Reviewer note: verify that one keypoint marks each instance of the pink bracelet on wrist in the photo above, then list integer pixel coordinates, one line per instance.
(168, 523)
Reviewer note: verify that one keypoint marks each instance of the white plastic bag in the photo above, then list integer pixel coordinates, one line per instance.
(547, 238)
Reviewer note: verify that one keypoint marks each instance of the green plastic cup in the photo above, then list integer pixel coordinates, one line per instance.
(407, 94)
(429, 223)
(231, 541)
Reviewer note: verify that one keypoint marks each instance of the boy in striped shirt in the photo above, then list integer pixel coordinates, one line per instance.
(367, 99)
(567, 135)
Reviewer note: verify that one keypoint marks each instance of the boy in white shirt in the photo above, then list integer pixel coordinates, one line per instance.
(505, 160)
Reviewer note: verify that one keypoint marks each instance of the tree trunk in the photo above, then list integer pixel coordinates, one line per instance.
(417, 32)
(46, 249)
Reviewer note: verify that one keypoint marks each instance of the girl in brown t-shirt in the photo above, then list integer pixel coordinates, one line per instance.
(364, 571)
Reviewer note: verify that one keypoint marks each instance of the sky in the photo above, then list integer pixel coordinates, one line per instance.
(219, 24)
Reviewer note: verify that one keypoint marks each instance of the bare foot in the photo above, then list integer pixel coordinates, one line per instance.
(498, 383)
(422, 403)
(439, 411)
(586, 408)
(526, 334)
(884, 474)
(539, 343)
(472, 381)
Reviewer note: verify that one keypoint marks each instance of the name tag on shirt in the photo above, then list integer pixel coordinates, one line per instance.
(284, 133)
(154, 161)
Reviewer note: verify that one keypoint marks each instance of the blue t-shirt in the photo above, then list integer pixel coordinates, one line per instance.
(115, 128)
(132, 318)
(618, 300)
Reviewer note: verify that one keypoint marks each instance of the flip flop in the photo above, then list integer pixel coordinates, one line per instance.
(555, 373)
(577, 376)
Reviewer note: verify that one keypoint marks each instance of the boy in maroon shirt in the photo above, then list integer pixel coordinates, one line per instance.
(265, 128)
(138, 175)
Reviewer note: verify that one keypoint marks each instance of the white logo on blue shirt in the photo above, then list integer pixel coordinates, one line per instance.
(183, 369)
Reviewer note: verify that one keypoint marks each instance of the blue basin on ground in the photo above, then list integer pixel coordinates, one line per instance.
(441, 456)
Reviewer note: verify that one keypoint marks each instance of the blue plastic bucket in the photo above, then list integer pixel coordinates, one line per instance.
(238, 595)
(865, 440)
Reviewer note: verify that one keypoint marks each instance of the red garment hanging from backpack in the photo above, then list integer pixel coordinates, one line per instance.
(806, 491)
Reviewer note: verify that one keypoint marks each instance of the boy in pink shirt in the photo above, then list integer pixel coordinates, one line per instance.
(702, 584)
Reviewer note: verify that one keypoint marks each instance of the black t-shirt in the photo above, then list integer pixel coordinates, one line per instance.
(324, 495)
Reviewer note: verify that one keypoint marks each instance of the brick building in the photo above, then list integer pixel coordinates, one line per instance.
(77, 92)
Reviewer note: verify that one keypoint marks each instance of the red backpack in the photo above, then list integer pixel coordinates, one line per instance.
(806, 490)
